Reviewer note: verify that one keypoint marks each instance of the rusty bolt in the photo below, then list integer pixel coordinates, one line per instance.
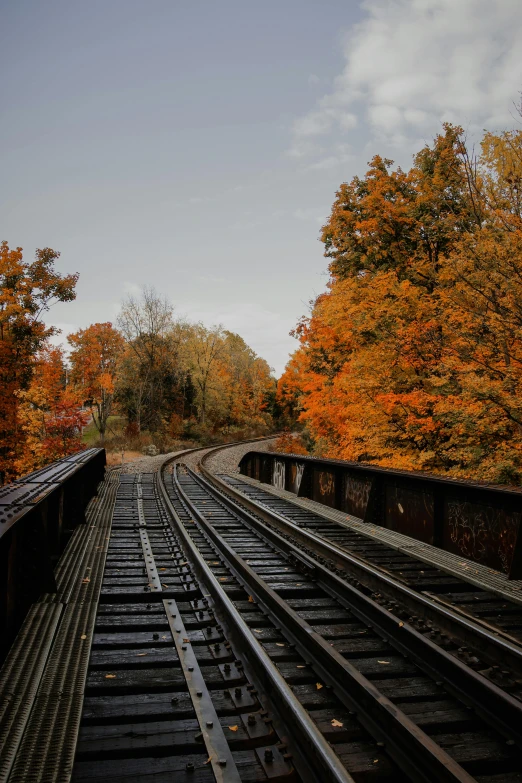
(269, 756)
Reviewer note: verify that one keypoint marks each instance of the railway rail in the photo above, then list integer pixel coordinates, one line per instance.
(444, 725)
(196, 634)
(441, 605)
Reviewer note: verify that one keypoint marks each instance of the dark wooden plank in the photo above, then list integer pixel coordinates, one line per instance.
(167, 737)
(385, 668)
(365, 761)
(139, 657)
(145, 770)
(149, 680)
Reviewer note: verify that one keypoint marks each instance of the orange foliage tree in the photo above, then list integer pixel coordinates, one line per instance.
(412, 356)
(27, 291)
(94, 358)
(49, 415)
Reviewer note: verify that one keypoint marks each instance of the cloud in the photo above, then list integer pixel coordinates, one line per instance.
(310, 215)
(413, 64)
(313, 80)
(212, 279)
(131, 289)
(339, 155)
(317, 123)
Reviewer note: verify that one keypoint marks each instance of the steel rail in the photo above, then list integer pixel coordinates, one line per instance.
(313, 754)
(416, 754)
(219, 753)
(498, 707)
(458, 624)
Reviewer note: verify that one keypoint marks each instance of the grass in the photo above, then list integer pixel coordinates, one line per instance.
(115, 426)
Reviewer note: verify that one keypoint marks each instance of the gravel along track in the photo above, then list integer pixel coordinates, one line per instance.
(227, 460)
(145, 464)
(224, 461)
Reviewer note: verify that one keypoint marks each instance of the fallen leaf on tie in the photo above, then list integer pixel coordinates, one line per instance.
(251, 599)
(83, 636)
(110, 676)
(401, 624)
(385, 663)
(318, 686)
(280, 644)
(337, 723)
(233, 728)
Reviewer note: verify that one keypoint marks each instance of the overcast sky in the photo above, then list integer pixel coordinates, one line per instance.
(197, 146)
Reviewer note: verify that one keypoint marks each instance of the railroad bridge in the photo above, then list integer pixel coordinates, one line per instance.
(298, 620)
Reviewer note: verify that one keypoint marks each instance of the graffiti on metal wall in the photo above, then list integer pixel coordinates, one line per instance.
(296, 476)
(482, 533)
(278, 476)
(323, 487)
(356, 495)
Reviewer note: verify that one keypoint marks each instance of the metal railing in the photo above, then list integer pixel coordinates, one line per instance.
(479, 522)
(38, 514)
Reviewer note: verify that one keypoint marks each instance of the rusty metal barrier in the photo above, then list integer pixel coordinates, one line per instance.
(479, 522)
(38, 513)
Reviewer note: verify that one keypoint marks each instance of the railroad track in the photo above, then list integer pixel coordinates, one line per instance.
(449, 723)
(488, 628)
(502, 616)
(200, 642)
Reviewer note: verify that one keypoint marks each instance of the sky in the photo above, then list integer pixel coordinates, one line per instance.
(197, 147)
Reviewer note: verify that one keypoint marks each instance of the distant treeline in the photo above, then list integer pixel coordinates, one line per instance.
(164, 375)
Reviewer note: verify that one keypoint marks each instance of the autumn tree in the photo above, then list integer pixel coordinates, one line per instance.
(27, 291)
(94, 359)
(50, 418)
(246, 379)
(483, 308)
(411, 357)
